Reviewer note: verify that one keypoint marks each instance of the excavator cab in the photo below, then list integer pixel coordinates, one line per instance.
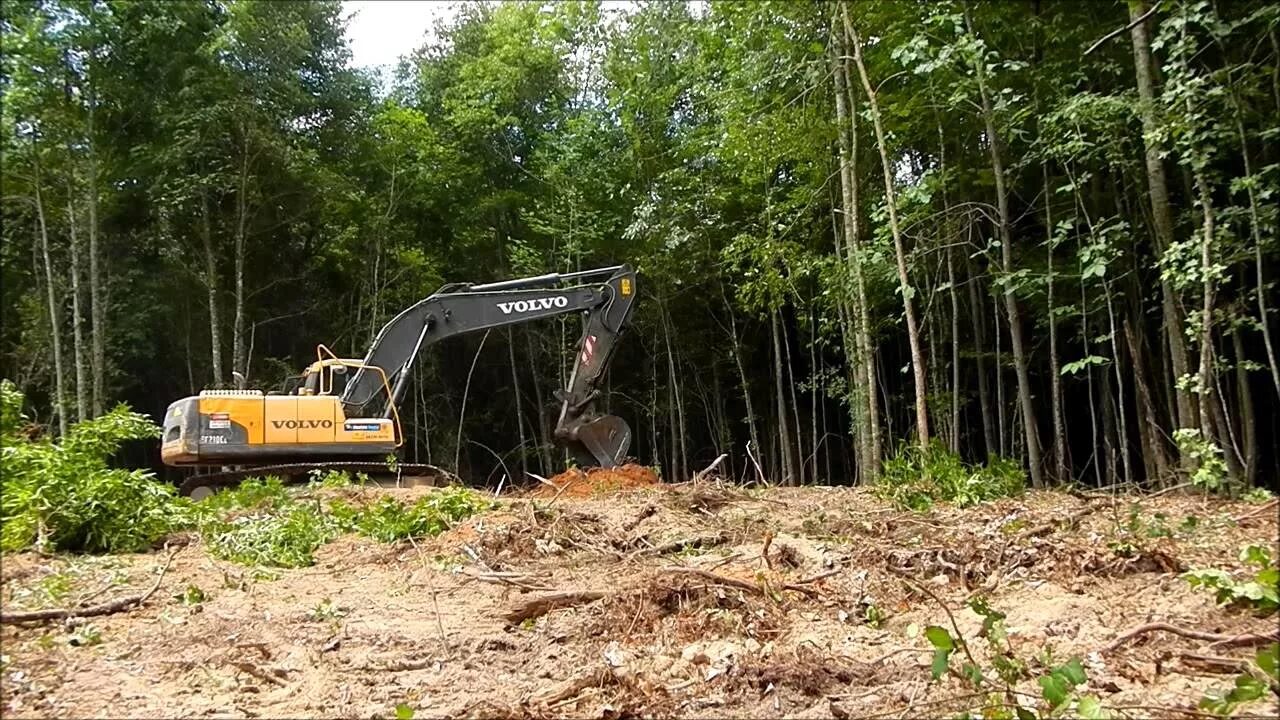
(346, 410)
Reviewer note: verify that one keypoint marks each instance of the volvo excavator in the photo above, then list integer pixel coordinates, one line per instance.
(344, 413)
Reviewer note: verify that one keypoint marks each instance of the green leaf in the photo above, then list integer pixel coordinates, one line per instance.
(1074, 672)
(1268, 658)
(1025, 714)
(1054, 689)
(404, 712)
(939, 638)
(941, 659)
(1090, 708)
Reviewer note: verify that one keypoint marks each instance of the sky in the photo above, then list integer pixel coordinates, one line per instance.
(380, 31)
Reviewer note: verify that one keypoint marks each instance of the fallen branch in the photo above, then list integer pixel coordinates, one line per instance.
(107, 608)
(700, 541)
(543, 604)
(1214, 662)
(648, 511)
(1070, 520)
(1268, 506)
(259, 673)
(1217, 639)
(715, 578)
(698, 476)
(568, 688)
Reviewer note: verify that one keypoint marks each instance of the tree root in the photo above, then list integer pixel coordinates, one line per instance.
(107, 608)
(543, 604)
(1217, 639)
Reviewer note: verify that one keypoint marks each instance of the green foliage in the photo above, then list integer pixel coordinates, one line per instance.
(287, 536)
(404, 712)
(63, 495)
(1259, 592)
(915, 479)
(1253, 684)
(1211, 470)
(388, 520)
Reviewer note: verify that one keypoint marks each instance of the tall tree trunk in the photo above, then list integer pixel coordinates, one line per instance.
(865, 409)
(900, 253)
(1158, 189)
(98, 303)
(784, 435)
(83, 391)
(795, 405)
(1206, 380)
(1031, 434)
(211, 286)
(55, 314)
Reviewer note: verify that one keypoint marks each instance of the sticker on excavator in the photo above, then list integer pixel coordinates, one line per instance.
(361, 427)
(220, 421)
(626, 286)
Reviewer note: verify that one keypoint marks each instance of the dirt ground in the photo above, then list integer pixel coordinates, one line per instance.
(628, 598)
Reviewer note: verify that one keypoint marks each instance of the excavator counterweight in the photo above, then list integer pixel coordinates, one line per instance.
(346, 411)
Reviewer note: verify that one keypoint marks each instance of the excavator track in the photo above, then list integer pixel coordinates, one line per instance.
(212, 482)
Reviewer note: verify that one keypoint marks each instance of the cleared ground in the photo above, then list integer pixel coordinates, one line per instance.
(697, 600)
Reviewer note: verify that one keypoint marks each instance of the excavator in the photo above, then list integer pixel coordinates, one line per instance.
(343, 413)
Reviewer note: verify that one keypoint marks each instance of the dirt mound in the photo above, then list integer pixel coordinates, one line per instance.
(598, 481)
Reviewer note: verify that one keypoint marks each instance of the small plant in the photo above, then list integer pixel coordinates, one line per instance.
(404, 712)
(914, 479)
(1258, 593)
(1211, 469)
(1258, 496)
(1253, 684)
(85, 636)
(388, 520)
(288, 539)
(193, 595)
(326, 611)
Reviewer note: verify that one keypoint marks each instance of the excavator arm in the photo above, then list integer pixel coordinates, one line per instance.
(459, 309)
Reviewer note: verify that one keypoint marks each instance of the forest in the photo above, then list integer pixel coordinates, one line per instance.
(1033, 232)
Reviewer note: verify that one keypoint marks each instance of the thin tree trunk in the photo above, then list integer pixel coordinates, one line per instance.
(977, 315)
(98, 303)
(865, 406)
(1055, 371)
(211, 286)
(904, 281)
(1162, 215)
(242, 222)
(55, 325)
(1157, 462)
(83, 390)
(1032, 437)
(1255, 229)
(544, 434)
(752, 428)
(795, 405)
(1001, 406)
(1248, 422)
(519, 408)
(784, 440)
(1207, 297)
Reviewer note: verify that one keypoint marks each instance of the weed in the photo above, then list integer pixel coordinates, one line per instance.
(914, 479)
(1258, 496)
(388, 520)
(404, 712)
(1258, 593)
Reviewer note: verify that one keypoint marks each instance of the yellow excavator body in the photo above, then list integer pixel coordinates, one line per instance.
(229, 426)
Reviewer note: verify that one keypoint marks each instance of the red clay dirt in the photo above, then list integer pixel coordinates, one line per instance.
(597, 481)
(657, 601)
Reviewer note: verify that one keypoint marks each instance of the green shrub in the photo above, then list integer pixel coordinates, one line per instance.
(915, 478)
(62, 496)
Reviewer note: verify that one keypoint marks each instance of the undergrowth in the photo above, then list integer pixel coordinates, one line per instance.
(915, 479)
(62, 495)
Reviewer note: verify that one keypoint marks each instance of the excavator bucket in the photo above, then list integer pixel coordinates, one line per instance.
(606, 440)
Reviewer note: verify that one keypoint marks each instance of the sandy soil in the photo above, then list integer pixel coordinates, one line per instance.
(681, 610)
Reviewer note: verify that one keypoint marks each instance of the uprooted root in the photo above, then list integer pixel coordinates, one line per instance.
(803, 669)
